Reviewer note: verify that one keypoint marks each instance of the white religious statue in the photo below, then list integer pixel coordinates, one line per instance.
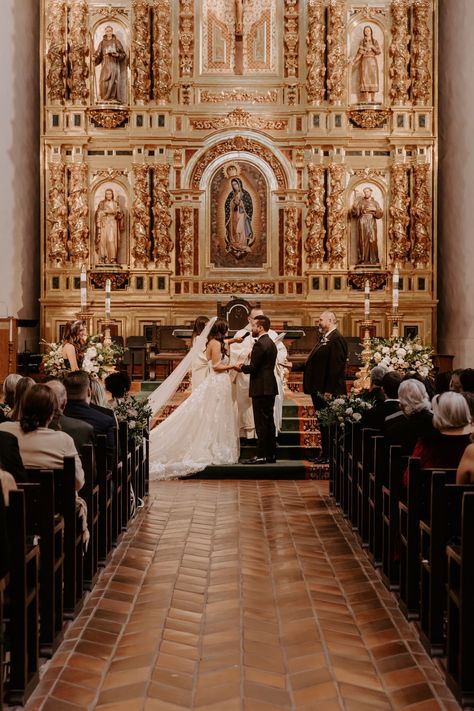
(109, 225)
(240, 353)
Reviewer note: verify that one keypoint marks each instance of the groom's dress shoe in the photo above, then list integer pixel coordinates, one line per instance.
(255, 460)
(271, 460)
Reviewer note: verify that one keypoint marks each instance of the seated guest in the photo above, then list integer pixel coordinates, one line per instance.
(78, 390)
(467, 387)
(99, 399)
(9, 387)
(415, 418)
(465, 472)
(40, 447)
(7, 484)
(22, 387)
(375, 393)
(10, 458)
(375, 418)
(455, 382)
(118, 385)
(81, 432)
(442, 381)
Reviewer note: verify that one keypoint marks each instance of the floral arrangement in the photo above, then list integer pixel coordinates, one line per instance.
(137, 413)
(53, 361)
(405, 354)
(342, 409)
(99, 358)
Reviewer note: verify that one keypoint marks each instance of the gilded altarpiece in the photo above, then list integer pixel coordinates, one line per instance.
(283, 151)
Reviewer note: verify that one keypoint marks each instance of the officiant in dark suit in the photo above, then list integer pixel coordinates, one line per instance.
(263, 389)
(324, 372)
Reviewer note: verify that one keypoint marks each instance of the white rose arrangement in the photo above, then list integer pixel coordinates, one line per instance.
(408, 355)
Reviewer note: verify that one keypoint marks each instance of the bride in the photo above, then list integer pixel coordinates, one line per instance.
(203, 429)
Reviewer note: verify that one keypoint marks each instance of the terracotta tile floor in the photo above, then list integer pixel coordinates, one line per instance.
(240, 596)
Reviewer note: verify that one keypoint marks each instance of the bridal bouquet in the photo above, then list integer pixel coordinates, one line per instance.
(100, 358)
(137, 413)
(53, 361)
(405, 354)
(345, 408)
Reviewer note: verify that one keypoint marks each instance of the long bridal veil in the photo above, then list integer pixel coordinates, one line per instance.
(165, 392)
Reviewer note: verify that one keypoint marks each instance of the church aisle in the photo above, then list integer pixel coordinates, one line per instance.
(240, 596)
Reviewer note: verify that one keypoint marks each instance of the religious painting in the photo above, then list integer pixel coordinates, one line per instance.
(367, 64)
(110, 224)
(366, 214)
(238, 210)
(110, 60)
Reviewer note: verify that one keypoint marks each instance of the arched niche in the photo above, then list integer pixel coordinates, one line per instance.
(109, 217)
(366, 73)
(355, 193)
(110, 58)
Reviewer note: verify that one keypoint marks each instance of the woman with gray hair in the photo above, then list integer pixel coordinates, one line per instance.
(415, 418)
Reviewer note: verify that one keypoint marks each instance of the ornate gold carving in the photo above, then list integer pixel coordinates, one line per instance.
(140, 55)
(399, 201)
(259, 54)
(141, 216)
(238, 287)
(291, 38)
(57, 215)
(367, 12)
(186, 241)
(239, 144)
(369, 118)
(118, 280)
(421, 53)
(111, 12)
(78, 52)
(239, 117)
(109, 118)
(337, 222)
(78, 244)
(400, 56)
(314, 244)
(316, 49)
(376, 280)
(162, 214)
(186, 38)
(162, 51)
(336, 42)
(56, 52)
(365, 172)
(421, 212)
(252, 97)
(109, 173)
(292, 242)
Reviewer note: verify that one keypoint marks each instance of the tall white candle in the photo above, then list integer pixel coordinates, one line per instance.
(367, 299)
(107, 299)
(83, 288)
(395, 281)
(10, 331)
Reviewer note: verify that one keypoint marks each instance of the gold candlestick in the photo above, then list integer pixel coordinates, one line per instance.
(394, 318)
(106, 324)
(363, 375)
(86, 317)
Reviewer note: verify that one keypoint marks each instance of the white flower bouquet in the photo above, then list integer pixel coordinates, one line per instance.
(137, 413)
(53, 360)
(99, 358)
(342, 409)
(405, 354)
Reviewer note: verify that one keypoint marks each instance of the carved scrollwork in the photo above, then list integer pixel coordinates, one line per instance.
(315, 51)
(162, 51)
(336, 41)
(186, 38)
(118, 280)
(399, 54)
(421, 53)
(186, 241)
(239, 144)
(314, 244)
(252, 97)
(109, 118)
(141, 216)
(337, 222)
(140, 55)
(78, 243)
(291, 37)
(368, 118)
(292, 242)
(421, 213)
(241, 118)
(57, 215)
(238, 287)
(110, 12)
(162, 214)
(110, 173)
(78, 52)
(376, 280)
(399, 219)
(56, 51)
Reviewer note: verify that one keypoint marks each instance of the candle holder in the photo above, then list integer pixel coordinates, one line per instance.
(11, 359)
(363, 375)
(106, 324)
(86, 317)
(394, 318)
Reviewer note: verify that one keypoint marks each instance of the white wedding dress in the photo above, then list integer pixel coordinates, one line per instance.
(203, 430)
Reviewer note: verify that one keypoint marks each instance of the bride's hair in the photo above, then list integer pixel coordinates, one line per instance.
(218, 332)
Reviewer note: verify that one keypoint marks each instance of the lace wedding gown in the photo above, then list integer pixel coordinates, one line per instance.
(203, 430)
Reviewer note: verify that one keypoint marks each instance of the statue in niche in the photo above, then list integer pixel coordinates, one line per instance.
(367, 211)
(109, 225)
(366, 60)
(110, 54)
(239, 18)
(238, 220)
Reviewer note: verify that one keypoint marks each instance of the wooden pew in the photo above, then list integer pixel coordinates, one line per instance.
(104, 480)
(334, 462)
(377, 477)
(126, 458)
(90, 494)
(47, 523)
(23, 605)
(363, 467)
(460, 626)
(344, 447)
(353, 457)
(146, 463)
(391, 495)
(4, 572)
(444, 523)
(119, 493)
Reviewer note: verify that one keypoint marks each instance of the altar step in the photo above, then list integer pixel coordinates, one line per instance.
(281, 469)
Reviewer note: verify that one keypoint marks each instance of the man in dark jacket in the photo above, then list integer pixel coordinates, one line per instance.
(81, 432)
(324, 371)
(263, 389)
(78, 406)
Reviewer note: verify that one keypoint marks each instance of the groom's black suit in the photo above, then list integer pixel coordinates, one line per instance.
(263, 389)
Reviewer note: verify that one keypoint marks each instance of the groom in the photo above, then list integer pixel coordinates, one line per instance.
(263, 389)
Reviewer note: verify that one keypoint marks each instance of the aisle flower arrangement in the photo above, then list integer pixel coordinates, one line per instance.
(99, 358)
(342, 409)
(404, 354)
(137, 413)
(53, 361)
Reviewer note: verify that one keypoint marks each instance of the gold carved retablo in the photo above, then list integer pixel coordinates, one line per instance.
(240, 118)
(358, 279)
(109, 118)
(369, 118)
(238, 287)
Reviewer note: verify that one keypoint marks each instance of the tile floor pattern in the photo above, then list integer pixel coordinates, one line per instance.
(240, 596)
